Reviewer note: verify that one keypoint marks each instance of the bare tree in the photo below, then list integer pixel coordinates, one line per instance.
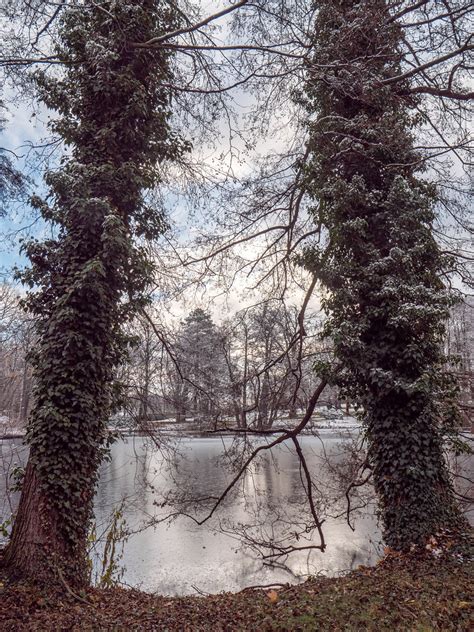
(16, 340)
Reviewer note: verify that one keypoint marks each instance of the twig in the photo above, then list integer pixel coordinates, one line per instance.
(283, 437)
(264, 586)
(69, 589)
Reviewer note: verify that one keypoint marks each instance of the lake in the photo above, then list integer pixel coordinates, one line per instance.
(180, 557)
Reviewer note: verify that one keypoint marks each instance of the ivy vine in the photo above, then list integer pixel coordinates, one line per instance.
(113, 114)
(381, 265)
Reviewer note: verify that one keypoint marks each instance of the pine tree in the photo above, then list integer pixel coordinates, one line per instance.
(113, 113)
(201, 361)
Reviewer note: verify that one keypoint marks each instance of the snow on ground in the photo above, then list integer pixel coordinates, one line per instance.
(9, 429)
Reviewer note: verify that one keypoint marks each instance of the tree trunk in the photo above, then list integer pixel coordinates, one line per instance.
(145, 390)
(382, 267)
(25, 394)
(410, 474)
(90, 278)
(237, 413)
(38, 549)
(292, 409)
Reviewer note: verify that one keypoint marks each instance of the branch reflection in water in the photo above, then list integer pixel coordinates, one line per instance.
(228, 552)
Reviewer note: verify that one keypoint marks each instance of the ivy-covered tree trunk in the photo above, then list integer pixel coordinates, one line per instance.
(381, 265)
(113, 114)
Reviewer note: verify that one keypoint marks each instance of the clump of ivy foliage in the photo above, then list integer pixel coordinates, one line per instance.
(381, 265)
(113, 115)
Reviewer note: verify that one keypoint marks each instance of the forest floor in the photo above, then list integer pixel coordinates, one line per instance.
(400, 593)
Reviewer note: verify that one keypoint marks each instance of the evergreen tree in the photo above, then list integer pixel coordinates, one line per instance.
(201, 360)
(381, 266)
(93, 275)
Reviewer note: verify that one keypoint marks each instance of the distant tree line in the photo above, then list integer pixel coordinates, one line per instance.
(241, 373)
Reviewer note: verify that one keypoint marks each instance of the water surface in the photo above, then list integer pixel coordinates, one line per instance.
(181, 557)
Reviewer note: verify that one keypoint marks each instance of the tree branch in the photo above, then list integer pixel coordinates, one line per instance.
(163, 38)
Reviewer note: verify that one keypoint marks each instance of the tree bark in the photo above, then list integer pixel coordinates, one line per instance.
(38, 549)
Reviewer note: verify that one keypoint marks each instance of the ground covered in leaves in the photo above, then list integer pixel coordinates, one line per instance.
(397, 594)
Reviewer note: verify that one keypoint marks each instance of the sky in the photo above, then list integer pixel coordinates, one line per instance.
(23, 128)
(26, 126)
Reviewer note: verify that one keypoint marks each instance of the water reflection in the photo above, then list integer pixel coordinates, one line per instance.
(179, 557)
(173, 558)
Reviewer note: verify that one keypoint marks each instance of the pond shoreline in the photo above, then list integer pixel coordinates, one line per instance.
(140, 476)
(190, 433)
